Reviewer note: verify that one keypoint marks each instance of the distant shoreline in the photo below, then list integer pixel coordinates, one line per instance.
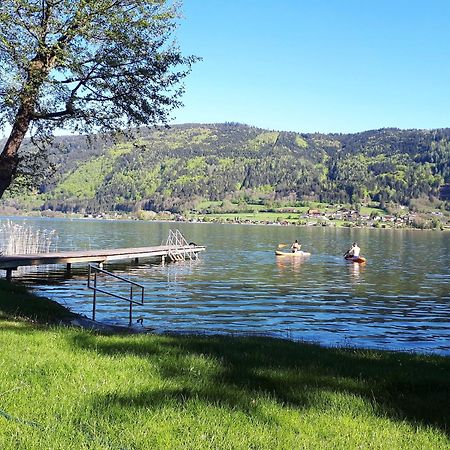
(124, 218)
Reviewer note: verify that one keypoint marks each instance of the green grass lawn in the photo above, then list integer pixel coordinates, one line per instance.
(256, 216)
(263, 216)
(207, 204)
(368, 210)
(64, 388)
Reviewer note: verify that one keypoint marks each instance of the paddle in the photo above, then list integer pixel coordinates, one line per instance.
(282, 245)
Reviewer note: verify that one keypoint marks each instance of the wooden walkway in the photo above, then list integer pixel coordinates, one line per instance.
(166, 252)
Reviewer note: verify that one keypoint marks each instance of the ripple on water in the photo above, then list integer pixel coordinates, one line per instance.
(239, 286)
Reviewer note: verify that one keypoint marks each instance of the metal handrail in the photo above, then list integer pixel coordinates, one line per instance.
(94, 270)
(177, 240)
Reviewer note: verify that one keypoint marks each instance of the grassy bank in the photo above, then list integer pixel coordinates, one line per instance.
(63, 388)
(17, 302)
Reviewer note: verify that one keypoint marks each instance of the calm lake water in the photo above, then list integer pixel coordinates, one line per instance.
(399, 300)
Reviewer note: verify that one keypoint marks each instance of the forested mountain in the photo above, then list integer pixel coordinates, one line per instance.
(176, 168)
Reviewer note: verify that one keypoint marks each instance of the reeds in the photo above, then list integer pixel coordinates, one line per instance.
(17, 239)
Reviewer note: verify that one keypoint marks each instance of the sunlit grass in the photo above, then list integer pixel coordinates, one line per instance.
(256, 216)
(258, 213)
(64, 388)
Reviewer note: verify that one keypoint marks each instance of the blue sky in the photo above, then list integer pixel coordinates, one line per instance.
(322, 65)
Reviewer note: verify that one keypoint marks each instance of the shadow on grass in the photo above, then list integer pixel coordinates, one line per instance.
(17, 301)
(399, 386)
(230, 398)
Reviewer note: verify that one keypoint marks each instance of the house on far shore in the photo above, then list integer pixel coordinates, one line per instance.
(314, 212)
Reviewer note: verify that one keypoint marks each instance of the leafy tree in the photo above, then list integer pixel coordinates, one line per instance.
(85, 65)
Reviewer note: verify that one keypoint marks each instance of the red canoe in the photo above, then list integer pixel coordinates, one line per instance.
(356, 259)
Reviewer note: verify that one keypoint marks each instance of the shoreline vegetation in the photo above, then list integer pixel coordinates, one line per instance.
(237, 173)
(307, 214)
(66, 387)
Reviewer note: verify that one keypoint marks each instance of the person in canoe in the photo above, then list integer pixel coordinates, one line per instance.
(296, 246)
(353, 252)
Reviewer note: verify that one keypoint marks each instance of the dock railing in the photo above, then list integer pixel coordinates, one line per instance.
(179, 247)
(135, 288)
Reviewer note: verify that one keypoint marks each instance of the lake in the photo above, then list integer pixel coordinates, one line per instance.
(399, 300)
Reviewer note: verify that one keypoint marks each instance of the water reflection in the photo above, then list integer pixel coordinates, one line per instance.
(286, 263)
(355, 271)
(238, 285)
(181, 270)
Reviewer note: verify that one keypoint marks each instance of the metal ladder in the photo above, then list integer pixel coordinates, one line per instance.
(93, 284)
(179, 248)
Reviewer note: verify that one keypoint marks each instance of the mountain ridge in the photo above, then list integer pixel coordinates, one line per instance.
(176, 168)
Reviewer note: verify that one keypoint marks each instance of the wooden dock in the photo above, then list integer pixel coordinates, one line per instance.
(9, 263)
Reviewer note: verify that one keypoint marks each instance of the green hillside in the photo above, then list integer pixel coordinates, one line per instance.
(180, 168)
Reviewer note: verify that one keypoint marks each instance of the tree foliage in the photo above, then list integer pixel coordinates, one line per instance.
(176, 168)
(84, 66)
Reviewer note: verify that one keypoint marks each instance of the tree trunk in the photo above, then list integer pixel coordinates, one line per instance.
(9, 158)
(38, 69)
(8, 168)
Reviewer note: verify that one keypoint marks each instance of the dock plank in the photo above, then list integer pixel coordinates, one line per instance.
(8, 262)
